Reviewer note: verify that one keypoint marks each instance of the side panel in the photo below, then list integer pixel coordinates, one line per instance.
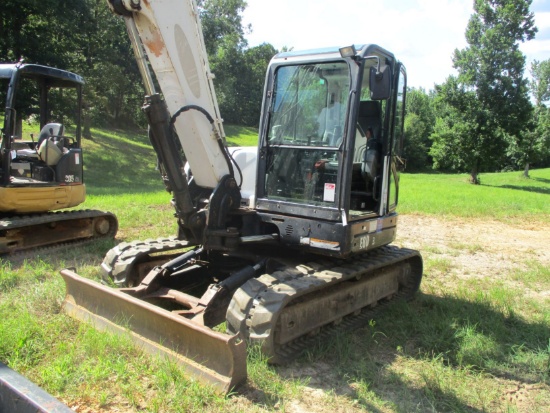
(40, 199)
(332, 238)
(172, 38)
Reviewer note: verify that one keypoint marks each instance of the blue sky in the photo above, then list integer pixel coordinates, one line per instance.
(421, 33)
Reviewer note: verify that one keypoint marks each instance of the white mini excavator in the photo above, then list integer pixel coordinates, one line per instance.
(283, 244)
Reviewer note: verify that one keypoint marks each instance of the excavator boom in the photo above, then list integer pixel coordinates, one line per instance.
(170, 34)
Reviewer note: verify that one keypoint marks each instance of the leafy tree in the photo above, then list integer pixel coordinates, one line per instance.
(459, 112)
(251, 88)
(49, 32)
(85, 37)
(222, 20)
(419, 124)
(540, 85)
(26, 31)
(240, 85)
(533, 144)
(82, 36)
(488, 101)
(114, 90)
(225, 44)
(240, 71)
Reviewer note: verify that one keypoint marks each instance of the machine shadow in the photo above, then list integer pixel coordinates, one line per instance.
(533, 189)
(67, 255)
(543, 180)
(425, 329)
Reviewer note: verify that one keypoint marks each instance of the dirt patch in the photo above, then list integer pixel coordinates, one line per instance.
(486, 244)
(479, 248)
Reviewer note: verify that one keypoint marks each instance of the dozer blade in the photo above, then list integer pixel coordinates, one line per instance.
(214, 358)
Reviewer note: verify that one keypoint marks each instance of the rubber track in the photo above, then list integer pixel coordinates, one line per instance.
(120, 260)
(256, 306)
(21, 221)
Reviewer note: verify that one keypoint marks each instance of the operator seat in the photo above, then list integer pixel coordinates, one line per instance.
(48, 130)
(369, 118)
(47, 150)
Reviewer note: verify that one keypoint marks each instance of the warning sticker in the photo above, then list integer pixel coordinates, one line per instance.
(330, 191)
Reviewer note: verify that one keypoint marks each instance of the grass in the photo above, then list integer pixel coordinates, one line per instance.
(241, 135)
(501, 196)
(463, 345)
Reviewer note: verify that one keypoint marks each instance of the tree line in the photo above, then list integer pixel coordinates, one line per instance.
(436, 139)
(488, 117)
(85, 37)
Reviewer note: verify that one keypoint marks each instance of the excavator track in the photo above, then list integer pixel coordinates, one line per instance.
(128, 262)
(289, 310)
(19, 234)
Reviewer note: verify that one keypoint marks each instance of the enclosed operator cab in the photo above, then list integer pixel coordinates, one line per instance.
(331, 137)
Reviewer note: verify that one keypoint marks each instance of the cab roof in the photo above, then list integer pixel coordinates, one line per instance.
(56, 77)
(362, 50)
(325, 50)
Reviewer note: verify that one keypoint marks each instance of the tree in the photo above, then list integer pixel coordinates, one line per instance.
(256, 60)
(222, 20)
(240, 71)
(459, 112)
(48, 32)
(540, 85)
(113, 94)
(490, 95)
(533, 144)
(225, 43)
(419, 124)
(82, 36)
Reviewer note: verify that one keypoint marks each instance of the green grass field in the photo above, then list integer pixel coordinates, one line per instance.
(501, 196)
(478, 344)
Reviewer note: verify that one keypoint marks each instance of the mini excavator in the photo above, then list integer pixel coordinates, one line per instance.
(279, 245)
(38, 176)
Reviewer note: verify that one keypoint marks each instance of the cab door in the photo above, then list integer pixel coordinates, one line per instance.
(397, 163)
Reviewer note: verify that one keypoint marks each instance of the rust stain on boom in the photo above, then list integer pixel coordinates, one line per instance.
(211, 357)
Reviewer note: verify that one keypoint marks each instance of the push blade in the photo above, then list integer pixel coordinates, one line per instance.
(211, 357)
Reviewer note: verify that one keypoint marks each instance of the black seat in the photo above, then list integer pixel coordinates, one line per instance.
(369, 116)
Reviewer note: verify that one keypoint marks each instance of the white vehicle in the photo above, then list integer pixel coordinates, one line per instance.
(288, 241)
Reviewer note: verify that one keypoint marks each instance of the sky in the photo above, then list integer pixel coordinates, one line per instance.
(422, 34)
